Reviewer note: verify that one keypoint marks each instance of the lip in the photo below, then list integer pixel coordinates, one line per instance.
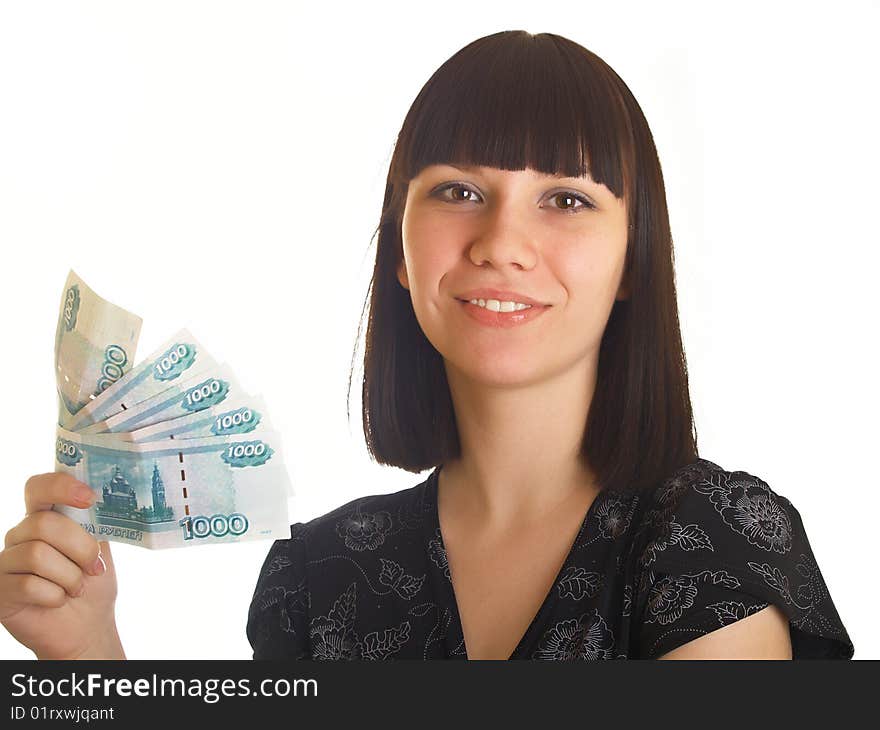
(502, 319)
(502, 295)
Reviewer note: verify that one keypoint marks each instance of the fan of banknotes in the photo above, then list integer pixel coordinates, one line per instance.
(177, 454)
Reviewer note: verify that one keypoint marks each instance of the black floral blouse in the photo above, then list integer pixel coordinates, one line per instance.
(646, 573)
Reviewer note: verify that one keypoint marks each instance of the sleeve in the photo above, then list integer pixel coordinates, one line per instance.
(731, 546)
(278, 618)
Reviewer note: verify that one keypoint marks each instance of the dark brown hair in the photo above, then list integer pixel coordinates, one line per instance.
(513, 100)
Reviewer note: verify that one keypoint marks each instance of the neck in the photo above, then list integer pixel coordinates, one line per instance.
(520, 448)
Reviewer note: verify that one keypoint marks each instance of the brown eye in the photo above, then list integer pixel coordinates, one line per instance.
(565, 196)
(460, 197)
(571, 200)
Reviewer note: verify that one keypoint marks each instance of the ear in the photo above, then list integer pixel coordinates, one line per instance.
(401, 274)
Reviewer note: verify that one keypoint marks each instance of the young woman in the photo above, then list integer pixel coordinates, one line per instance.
(523, 342)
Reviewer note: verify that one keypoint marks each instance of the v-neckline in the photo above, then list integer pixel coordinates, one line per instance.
(434, 532)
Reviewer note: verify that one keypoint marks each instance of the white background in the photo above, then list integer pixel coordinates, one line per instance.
(221, 166)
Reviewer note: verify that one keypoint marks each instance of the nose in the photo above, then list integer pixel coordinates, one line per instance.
(502, 243)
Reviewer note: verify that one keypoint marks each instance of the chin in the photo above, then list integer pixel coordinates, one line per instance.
(508, 373)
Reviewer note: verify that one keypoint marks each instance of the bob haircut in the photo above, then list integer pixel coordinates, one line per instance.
(513, 100)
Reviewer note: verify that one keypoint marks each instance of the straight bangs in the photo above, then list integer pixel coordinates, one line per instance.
(515, 101)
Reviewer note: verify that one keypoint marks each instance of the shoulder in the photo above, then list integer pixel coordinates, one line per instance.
(366, 523)
(705, 513)
(718, 545)
(304, 574)
(371, 523)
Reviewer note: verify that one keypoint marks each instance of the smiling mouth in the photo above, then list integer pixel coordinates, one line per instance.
(510, 305)
(491, 318)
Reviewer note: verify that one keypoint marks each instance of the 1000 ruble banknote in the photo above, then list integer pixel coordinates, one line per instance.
(169, 493)
(95, 342)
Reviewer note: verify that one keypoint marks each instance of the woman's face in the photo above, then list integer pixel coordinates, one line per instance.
(560, 241)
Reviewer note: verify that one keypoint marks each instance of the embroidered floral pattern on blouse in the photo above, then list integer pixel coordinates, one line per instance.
(627, 600)
(334, 636)
(288, 607)
(406, 586)
(614, 514)
(586, 638)
(749, 507)
(279, 562)
(670, 596)
(577, 584)
(438, 553)
(364, 530)
(647, 573)
(809, 599)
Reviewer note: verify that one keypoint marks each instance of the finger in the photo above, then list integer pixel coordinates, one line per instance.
(42, 491)
(32, 590)
(60, 532)
(40, 558)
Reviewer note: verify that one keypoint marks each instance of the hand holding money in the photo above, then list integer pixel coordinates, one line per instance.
(57, 583)
(167, 453)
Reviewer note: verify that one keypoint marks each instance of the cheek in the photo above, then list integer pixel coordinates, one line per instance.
(430, 252)
(584, 278)
(589, 269)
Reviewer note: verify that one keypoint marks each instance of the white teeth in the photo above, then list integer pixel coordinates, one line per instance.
(496, 306)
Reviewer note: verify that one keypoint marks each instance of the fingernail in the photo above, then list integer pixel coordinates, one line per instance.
(99, 566)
